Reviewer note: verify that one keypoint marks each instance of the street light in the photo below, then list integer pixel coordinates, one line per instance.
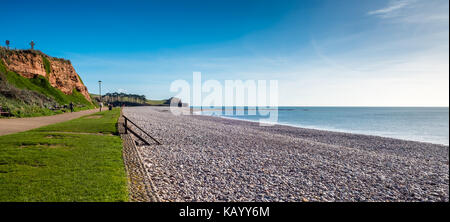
(100, 91)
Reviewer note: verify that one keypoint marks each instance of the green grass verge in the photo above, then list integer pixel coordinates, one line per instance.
(47, 164)
(101, 122)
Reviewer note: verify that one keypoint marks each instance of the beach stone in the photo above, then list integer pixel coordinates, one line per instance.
(204, 158)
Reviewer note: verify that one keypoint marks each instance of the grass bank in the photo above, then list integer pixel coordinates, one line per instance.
(78, 160)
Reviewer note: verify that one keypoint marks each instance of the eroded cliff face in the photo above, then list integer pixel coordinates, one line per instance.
(61, 73)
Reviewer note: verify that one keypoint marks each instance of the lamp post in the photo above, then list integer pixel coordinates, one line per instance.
(100, 91)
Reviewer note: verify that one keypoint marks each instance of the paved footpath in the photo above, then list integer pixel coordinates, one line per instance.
(9, 126)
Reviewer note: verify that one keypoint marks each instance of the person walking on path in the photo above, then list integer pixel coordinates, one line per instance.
(71, 107)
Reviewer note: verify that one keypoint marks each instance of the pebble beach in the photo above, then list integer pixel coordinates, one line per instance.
(204, 158)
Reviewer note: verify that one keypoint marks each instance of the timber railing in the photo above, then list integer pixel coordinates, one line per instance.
(125, 124)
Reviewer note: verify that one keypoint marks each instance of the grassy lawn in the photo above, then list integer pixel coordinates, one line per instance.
(104, 122)
(78, 160)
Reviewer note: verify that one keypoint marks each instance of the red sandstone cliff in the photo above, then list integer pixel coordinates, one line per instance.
(62, 75)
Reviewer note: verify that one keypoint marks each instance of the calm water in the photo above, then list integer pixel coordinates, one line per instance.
(410, 123)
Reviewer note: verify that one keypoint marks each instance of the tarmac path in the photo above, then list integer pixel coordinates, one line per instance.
(9, 126)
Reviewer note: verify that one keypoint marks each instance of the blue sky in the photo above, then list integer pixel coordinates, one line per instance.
(322, 52)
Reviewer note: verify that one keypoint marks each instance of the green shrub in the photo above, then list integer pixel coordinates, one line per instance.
(47, 65)
(19, 108)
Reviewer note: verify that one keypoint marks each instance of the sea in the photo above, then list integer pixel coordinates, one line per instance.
(423, 124)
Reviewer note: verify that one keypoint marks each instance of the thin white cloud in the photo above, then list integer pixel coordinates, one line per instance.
(392, 7)
(414, 11)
